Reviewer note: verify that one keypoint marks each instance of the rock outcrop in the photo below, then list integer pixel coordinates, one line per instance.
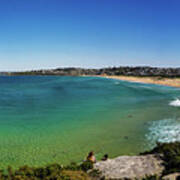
(174, 176)
(130, 167)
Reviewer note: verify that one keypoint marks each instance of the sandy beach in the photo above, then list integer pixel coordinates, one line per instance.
(174, 82)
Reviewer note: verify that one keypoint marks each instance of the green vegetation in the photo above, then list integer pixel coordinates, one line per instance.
(155, 177)
(50, 172)
(170, 154)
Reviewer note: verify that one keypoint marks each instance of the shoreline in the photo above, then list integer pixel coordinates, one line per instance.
(172, 82)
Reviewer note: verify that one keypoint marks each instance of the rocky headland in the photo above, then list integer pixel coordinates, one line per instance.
(160, 163)
(130, 167)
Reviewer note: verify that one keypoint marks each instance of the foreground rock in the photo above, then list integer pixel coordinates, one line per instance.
(173, 176)
(132, 167)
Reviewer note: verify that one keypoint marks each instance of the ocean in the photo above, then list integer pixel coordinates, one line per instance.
(54, 119)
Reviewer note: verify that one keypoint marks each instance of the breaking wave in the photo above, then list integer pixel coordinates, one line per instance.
(175, 103)
(167, 130)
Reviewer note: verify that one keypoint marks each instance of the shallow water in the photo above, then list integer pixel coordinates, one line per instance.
(46, 119)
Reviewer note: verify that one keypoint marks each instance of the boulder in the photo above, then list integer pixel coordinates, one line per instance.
(130, 167)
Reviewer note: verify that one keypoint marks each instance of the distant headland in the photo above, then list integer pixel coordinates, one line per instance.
(141, 71)
(143, 74)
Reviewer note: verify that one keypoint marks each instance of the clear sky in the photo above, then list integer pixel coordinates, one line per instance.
(88, 33)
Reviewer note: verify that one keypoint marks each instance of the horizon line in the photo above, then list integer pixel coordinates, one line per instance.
(79, 67)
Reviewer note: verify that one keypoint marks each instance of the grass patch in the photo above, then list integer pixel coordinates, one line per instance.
(50, 172)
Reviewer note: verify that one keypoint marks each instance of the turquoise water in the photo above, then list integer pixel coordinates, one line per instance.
(47, 119)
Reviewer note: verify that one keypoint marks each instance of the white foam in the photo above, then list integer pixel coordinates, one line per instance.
(175, 103)
(164, 131)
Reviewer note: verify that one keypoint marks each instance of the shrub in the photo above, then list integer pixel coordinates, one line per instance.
(154, 177)
(50, 172)
(170, 155)
(86, 165)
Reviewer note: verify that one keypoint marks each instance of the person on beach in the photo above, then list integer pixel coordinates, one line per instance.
(91, 157)
(105, 157)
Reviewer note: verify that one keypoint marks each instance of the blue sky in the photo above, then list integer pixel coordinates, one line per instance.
(88, 33)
